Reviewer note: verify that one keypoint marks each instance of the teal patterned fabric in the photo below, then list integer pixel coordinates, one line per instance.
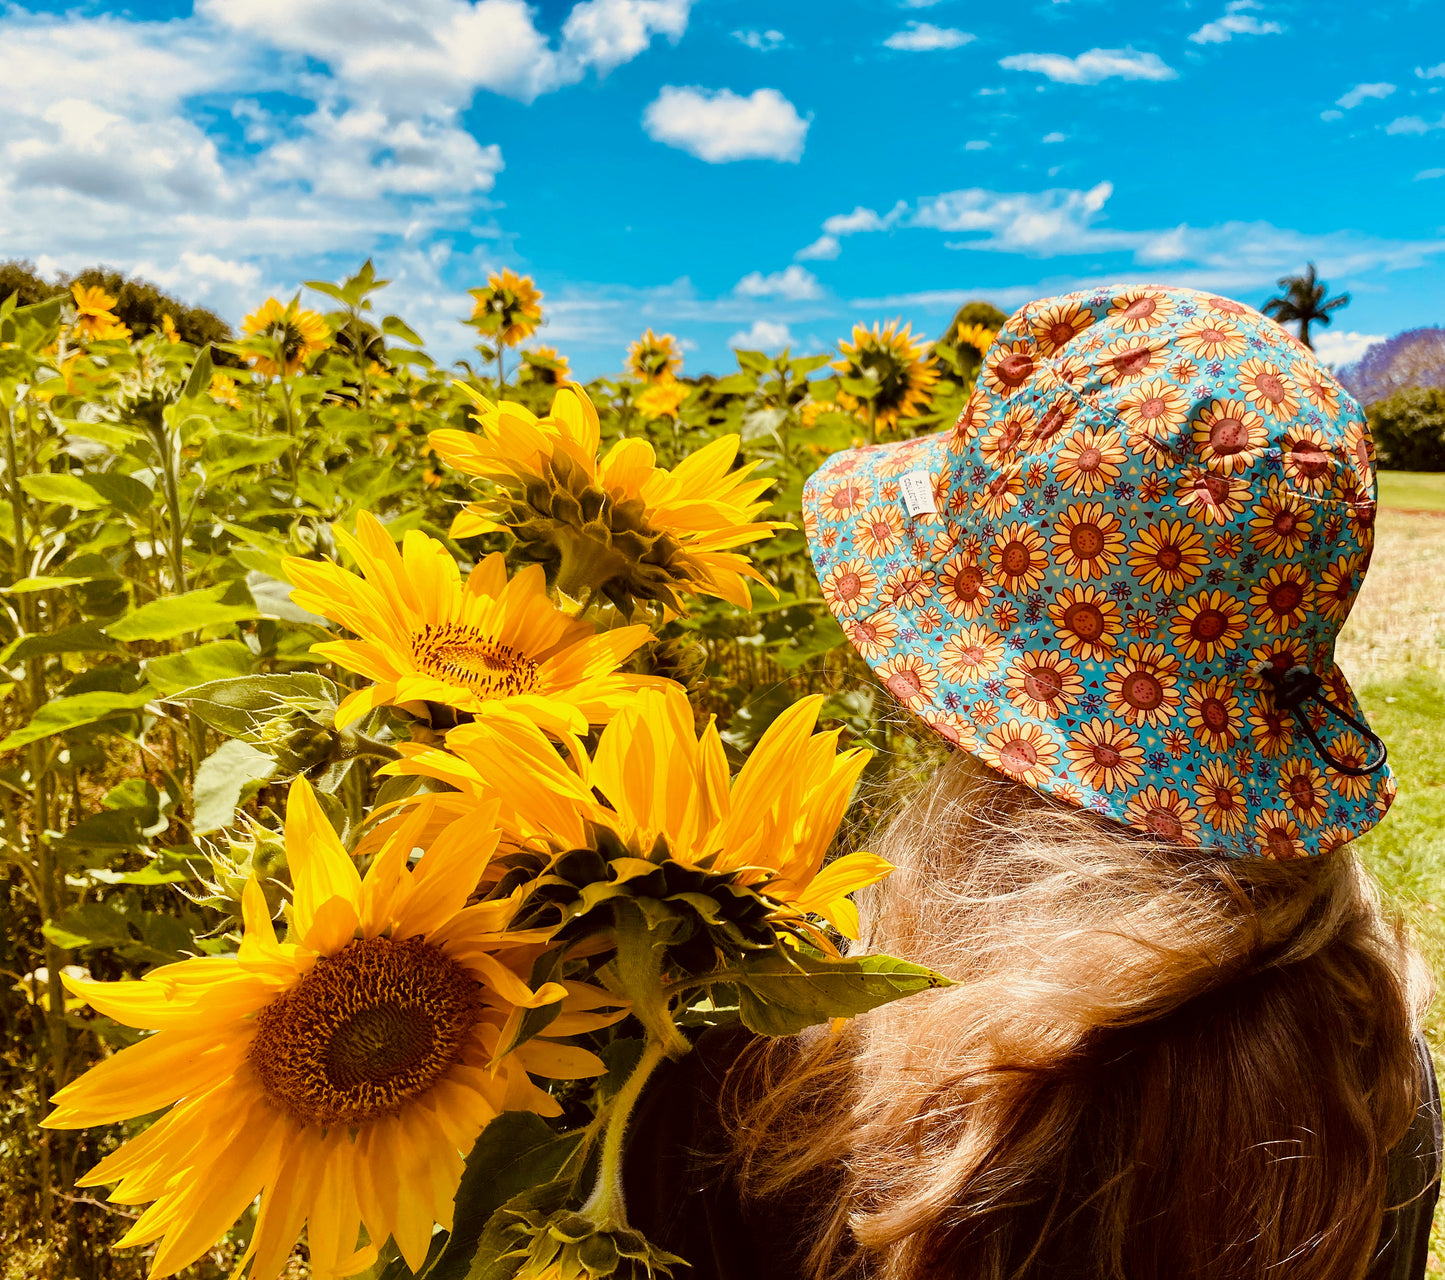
(1154, 499)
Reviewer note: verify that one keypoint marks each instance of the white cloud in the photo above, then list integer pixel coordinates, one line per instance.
(718, 125)
(1235, 22)
(765, 335)
(762, 41)
(924, 37)
(824, 248)
(1092, 66)
(606, 33)
(1360, 92)
(861, 219)
(1414, 124)
(977, 144)
(1343, 347)
(1431, 73)
(918, 4)
(1332, 114)
(1055, 137)
(1042, 223)
(1426, 174)
(794, 284)
(430, 52)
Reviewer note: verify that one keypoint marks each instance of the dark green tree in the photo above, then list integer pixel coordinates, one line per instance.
(1303, 302)
(984, 313)
(138, 304)
(1409, 429)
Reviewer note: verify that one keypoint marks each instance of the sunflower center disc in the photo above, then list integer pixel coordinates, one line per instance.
(462, 656)
(364, 1031)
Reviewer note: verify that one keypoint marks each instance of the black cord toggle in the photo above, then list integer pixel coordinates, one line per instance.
(1293, 688)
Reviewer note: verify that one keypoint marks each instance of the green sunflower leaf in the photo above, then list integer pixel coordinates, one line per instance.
(782, 991)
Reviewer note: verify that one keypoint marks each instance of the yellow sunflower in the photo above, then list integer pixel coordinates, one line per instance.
(899, 373)
(1229, 436)
(622, 525)
(425, 636)
(223, 390)
(510, 307)
(654, 357)
(662, 398)
(654, 776)
(296, 335)
(94, 320)
(340, 1075)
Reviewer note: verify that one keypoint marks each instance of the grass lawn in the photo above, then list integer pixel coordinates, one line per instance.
(1393, 650)
(1412, 490)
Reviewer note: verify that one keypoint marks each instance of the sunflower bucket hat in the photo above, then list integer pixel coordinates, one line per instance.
(1118, 578)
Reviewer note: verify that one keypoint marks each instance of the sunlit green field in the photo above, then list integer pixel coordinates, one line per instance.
(1394, 650)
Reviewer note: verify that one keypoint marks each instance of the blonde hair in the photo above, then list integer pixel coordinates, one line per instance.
(1173, 1066)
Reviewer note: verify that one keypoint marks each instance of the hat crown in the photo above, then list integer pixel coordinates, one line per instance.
(1192, 406)
(1154, 506)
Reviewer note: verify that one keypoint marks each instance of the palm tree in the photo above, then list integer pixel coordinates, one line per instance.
(1303, 300)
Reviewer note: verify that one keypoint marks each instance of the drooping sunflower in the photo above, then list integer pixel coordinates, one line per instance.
(339, 1075)
(297, 334)
(656, 777)
(897, 368)
(654, 357)
(509, 308)
(622, 525)
(424, 636)
(94, 320)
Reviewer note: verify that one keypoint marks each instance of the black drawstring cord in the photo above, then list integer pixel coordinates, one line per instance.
(1298, 685)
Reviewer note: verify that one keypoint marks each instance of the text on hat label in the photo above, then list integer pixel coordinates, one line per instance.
(916, 489)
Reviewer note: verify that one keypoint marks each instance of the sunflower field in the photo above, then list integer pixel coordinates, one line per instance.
(399, 761)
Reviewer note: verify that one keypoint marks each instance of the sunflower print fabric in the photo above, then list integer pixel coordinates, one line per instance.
(1152, 495)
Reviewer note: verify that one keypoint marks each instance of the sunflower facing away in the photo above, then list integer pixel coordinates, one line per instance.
(510, 307)
(298, 335)
(339, 1075)
(901, 375)
(622, 525)
(654, 357)
(545, 365)
(425, 636)
(656, 776)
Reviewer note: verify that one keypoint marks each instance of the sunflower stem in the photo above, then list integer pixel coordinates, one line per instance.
(606, 1207)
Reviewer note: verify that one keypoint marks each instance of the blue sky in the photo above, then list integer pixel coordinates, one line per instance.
(736, 172)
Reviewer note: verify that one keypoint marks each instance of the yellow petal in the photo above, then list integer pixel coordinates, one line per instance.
(321, 872)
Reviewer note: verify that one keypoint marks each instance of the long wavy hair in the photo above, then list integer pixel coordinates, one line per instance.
(1172, 1066)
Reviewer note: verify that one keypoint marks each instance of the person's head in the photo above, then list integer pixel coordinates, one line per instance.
(1172, 1065)
(1180, 1041)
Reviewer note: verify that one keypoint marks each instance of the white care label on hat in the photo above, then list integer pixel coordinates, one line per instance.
(916, 489)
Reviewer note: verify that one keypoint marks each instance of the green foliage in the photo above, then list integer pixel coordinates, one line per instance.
(161, 691)
(1409, 429)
